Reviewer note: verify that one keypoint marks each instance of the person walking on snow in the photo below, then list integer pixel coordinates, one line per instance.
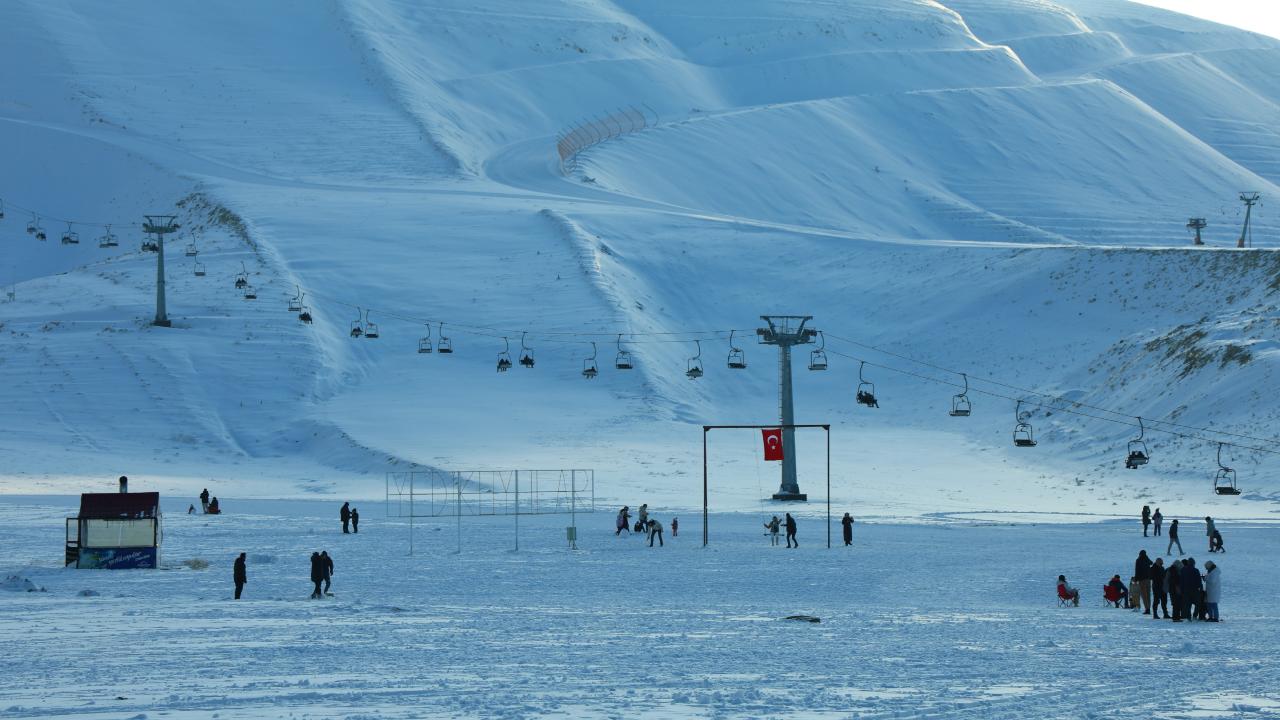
(1142, 571)
(345, 515)
(675, 526)
(1215, 542)
(355, 520)
(1208, 530)
(1212, 590)
(772, 526)
(204, 500)
(317, 574)
(1173, 538)
(1160, 588)
(791, 531)
(624, 521)
(1146, 519)
(655, 529)
(847, 523)
(328, 570)
(1157, 519)
(238, 575)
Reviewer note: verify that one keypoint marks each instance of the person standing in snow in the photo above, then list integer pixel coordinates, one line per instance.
(204, 500)
(345, 515)
(847, 523)
(772, 526)
(355, 520)
(1208, 530)
(317, 574)
(1157, 519)
(624, 521)
(655, 529)
(791, 531)
(328, 570)
(191, 509)
(675, 526)
(1173, 581)
(238, 575)
(1212, 590)
(1142, 571)
(1189, 586)
(1173, 538)
(643, 517)
(1146, 519)
(1159, 587)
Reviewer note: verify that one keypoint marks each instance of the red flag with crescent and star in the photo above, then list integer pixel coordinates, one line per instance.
(772, 443)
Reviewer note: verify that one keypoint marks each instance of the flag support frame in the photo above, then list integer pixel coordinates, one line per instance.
(786, 426)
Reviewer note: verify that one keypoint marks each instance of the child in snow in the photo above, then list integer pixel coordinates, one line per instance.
(1135, 592)
(773, 526)
(624, 521)
(1215, 542)
(355, 520)
(675, 526)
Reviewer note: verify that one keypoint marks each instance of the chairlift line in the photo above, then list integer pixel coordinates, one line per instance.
(70, 237)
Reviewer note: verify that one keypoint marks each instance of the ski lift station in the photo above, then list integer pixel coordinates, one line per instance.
(115, 531)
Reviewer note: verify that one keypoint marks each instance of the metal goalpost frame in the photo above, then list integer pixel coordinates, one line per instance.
(789, 426)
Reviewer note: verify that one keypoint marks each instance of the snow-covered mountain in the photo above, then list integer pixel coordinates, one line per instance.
(997, 187)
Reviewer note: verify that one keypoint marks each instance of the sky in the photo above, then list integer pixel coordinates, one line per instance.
(1260, 16)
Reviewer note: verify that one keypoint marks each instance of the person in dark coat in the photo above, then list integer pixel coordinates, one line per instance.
(355, 520)
(791, 531)
(317, 574)
(345, 515)
(1142, 571)
(1215, 542)
(1157, 520)
(328, 570)
(675, 527)
(1173, 538)
(1159, 587)
(1146, 519)
(204, 500)
(847, 523)
(1188, 587)
(1173, 581)
(239, 575)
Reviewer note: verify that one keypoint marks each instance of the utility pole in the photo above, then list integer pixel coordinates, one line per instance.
(786, 331)
(1249, 199)
(1197, 224)
(160, 225)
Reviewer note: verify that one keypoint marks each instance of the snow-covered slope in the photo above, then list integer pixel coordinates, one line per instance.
(998, 187)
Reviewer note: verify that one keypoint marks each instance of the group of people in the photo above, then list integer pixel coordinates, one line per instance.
(207, 504)
(350, 518)
(1154, 588)
(321, 572)
(650, 526)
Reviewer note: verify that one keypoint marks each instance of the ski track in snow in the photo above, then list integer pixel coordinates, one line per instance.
(918, 621)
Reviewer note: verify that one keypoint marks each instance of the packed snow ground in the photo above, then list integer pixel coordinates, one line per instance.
(953, 617)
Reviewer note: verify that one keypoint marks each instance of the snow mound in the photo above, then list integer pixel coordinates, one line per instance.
(16, 583)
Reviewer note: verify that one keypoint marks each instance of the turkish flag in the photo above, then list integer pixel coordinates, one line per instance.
(772, 443)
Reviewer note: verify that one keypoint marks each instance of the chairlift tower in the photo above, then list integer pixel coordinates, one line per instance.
(1249, 199)
(160, 225)
(786, 331)
(1197, 224)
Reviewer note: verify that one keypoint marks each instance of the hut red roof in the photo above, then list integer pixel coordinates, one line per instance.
(98, 506)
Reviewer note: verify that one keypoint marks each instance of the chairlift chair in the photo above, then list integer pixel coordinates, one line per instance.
(504, 357)
(623, 360)
(192, 250)
(32, 224)
(305, 315)
(1224, 481)
(589, 369)
(694, 370)
(295, 302)
(526, 353)
(250, 293)
(198, 269)
(1023, 433)
(737, 358)
(444, 345)
(242, 280)
(108, 239)
(370, 328)
(1138, 455)
(70, 237)
(866, 394)
(960, 405)
(424, 345)
(357, 326)
(818, 358)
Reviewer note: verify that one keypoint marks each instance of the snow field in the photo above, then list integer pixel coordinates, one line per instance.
(951, 618)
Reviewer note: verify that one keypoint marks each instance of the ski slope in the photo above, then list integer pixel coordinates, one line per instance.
(997, 187)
